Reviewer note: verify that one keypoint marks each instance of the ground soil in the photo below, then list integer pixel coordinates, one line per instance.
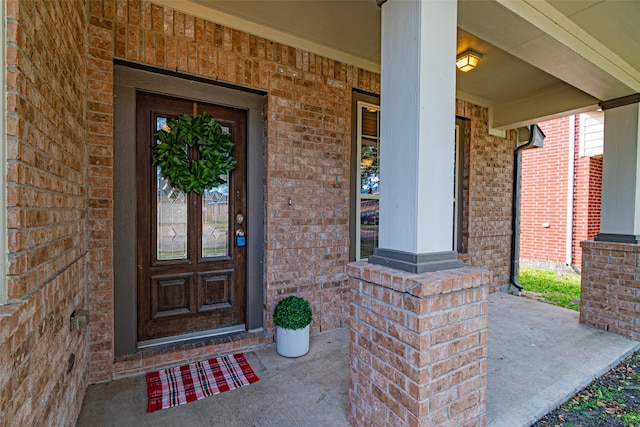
(533, 295)
(612, 400)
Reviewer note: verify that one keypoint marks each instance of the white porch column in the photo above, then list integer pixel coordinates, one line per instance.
(418, 89)
(620, 210)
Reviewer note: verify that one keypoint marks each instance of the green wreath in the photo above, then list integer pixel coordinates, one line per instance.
(214, 145)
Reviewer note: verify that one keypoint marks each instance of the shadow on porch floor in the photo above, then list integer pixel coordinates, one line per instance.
(538, 356)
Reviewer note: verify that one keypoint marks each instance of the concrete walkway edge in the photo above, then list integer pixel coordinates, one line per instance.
(540, 356)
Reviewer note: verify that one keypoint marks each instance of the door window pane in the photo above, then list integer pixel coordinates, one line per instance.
(215, 221)
(171, 221)
(171, 216)
(215, 218)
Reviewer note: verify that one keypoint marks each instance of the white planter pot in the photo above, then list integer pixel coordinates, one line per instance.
(292, 342)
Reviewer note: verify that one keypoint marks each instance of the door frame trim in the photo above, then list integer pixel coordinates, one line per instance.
(127, 79)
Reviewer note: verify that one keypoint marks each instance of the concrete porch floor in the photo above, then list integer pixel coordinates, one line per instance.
(538, 357)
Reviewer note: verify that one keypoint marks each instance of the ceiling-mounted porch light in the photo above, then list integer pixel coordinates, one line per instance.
(468, 60)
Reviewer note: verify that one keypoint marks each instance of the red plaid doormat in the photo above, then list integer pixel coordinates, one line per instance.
(183, 384)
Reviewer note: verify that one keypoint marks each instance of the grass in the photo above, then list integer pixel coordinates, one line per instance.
(631, 417)
(611, 400)
(594, 396)
(562, 289)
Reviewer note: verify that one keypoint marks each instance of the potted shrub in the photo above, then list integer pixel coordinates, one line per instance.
(292, 317)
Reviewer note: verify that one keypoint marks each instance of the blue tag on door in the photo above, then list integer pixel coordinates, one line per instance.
(241, 241)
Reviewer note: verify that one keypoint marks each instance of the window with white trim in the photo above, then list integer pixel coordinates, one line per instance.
(368, 182)
(368, 195)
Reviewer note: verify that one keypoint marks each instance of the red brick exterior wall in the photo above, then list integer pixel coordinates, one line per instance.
(46, 214)
(609, 287)
(307, 151)
(544, 193)
(586, 202)
(418, 347)
(488, 180)
(308, 125)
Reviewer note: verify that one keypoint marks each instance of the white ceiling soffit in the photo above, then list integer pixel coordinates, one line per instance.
(541, 58)
(541, 35)
(516, 92)
(613, 23)
(567, 44)
(541, 105)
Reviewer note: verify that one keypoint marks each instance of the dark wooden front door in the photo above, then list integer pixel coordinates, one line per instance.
(190, 272)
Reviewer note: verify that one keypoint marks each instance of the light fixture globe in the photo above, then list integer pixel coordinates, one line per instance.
(468, 60)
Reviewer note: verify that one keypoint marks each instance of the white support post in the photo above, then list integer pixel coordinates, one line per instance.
(418, 89)
(620, 211)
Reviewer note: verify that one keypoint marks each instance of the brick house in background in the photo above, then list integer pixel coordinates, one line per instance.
(558, 212)
(87, 81)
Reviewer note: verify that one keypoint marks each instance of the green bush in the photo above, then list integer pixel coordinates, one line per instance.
(292, 313)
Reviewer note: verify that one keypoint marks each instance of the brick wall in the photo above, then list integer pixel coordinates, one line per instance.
(544, 197)
(586, 205)
(418, 347)
(46, 214)
(60, 192)
(60, 186)
(100, 196)
(487, 195)
(308, 125)
(609, 290)
(307, 152)
(60, 195)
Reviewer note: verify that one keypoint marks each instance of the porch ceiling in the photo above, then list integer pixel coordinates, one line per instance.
(541, 58)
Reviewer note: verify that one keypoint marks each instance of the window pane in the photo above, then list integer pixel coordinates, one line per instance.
(215, 218)
(172, 221)
(369, 220)
(215, 221)
(370, 123)
(369, 152)
(369, 170)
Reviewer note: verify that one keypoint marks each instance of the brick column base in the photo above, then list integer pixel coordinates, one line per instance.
(611, 287)
(418, 346)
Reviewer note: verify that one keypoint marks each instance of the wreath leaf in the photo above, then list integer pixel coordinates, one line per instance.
(214, 146)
